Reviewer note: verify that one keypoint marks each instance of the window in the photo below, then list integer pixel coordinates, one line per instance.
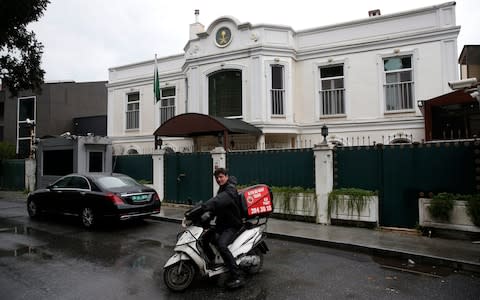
(133, 110)
(225, 94)
(78, 182)
(278, 90)
(95, 161)
(25, 125)
(332, 93)
(398, 83)
(167, 104)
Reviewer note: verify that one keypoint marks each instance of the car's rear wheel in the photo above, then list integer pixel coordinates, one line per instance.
(88, 217)
(32, 209)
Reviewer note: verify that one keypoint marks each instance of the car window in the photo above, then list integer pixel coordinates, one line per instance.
(78, 182)
(110, 182)
(63, 183)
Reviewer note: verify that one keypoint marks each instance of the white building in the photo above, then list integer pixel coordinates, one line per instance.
(363, 79)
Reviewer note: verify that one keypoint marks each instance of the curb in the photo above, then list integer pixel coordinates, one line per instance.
(383, 252)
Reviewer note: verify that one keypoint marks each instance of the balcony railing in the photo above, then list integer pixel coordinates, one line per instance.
(399, 96)
(333, 101)
(132, 119)
(278, 97)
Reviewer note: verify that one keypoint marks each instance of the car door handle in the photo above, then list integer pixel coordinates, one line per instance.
(83, 193)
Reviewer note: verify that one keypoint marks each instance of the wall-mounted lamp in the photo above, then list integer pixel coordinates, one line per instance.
(420, 103)
(324, 133)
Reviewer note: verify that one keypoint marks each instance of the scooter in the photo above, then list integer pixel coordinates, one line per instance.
(190, 257)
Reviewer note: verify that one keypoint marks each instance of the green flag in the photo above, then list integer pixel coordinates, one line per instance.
(156, 83)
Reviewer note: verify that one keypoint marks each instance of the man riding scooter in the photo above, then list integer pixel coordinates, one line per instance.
(225, 206)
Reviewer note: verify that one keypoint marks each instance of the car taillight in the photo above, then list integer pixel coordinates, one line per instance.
(115, 199)
(155, 197)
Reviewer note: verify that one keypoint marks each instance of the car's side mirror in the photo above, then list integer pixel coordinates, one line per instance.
(50, 186)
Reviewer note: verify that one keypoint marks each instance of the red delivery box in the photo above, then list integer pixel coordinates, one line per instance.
(257, 200)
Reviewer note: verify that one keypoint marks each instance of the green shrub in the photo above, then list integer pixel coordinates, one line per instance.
(358, 199)
(7, 150)
(473, 208)
(441, 206)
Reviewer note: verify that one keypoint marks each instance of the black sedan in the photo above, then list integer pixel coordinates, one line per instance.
(95, 197)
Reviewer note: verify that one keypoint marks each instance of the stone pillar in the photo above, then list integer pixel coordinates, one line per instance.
(323, 154)
(219, 160)
(158, 158)
(30, 174)
(261, 142)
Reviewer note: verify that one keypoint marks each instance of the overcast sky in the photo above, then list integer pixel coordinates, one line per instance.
(83, 38)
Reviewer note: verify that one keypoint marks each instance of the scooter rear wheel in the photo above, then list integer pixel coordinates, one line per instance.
(179, 276)
(257, 268)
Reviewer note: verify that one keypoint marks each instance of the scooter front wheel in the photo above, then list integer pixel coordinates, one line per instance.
(179, 276)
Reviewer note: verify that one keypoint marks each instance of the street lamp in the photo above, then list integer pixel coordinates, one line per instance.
(324, 133)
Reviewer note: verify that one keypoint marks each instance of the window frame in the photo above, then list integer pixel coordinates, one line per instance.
(29, 137)
(280, 93)
(411, 82)
(331, 79)
(127, 111)
(162, 107)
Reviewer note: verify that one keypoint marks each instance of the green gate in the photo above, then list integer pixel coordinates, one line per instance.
(188, 177)
(401, 172)
(139, 167)
(12, 174)
(289, 167)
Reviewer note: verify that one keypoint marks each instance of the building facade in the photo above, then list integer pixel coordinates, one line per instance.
(59, 108)
(362, 79)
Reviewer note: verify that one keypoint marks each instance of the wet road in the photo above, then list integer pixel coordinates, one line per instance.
(57, 259)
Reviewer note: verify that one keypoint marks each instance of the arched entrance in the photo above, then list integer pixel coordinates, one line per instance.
(225, 93)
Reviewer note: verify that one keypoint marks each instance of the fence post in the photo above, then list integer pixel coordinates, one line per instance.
(30, 174)
(219, 160)
(158, 158)
(323, 154)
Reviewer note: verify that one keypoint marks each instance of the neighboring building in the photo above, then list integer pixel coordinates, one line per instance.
(469, 61)
(361, 78)
(59, 108)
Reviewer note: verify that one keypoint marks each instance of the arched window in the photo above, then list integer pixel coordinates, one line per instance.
(225, 93)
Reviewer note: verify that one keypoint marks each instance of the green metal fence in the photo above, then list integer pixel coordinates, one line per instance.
(139, 167)
(12, 174)
(188, 177)
(291, 167)
(401, 172)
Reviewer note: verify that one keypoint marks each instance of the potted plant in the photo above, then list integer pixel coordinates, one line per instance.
(450, 211)
(353, 204)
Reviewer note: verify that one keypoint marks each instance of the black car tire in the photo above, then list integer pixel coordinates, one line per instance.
(32, 209)
(88, 217)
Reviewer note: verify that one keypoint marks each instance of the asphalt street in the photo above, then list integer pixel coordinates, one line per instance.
(57, 259)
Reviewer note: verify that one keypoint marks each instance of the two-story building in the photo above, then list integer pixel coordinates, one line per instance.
(363, 79)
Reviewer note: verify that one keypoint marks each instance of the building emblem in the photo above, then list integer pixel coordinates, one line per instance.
(223, 37)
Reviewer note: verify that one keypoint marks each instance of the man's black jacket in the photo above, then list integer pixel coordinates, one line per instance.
(225, 205)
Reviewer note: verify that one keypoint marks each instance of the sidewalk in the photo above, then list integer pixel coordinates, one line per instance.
(459, 254)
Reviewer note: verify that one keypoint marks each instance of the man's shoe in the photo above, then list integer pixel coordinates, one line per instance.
(235, 282)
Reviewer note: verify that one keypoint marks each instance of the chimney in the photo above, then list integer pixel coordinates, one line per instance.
(196, 27)
(374, 13)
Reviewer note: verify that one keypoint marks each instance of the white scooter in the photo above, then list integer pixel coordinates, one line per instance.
(189, 258)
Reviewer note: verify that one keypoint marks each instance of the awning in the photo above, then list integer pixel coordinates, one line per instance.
(194, 124)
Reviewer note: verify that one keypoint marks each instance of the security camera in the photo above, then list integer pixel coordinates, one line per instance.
(30, 122)
(461, 84)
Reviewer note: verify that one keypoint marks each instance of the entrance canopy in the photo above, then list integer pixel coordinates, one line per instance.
(194, 124)
(451, 116)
